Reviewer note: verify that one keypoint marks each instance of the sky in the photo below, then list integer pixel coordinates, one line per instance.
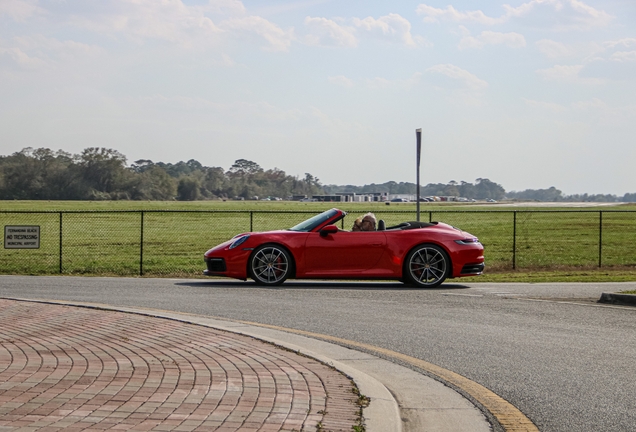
(527, 93)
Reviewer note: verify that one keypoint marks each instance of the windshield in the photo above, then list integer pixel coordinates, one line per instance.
(315, 221)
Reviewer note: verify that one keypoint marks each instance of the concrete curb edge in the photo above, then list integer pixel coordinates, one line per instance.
(615, 298)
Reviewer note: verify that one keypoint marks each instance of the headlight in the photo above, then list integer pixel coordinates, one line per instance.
(239, 241)
(467, 241)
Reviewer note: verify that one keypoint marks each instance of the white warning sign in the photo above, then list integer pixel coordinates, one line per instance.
(21, 237)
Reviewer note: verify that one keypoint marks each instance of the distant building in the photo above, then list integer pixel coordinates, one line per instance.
(365, 197)
(345, 197)
(327, 198)
(408, 197)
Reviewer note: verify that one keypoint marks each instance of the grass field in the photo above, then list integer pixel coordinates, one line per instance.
(169, 238)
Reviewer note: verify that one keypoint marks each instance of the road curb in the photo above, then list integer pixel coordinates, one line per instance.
(621, 299)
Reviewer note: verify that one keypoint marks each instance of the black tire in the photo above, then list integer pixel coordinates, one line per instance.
(426, 266)
(270, 265)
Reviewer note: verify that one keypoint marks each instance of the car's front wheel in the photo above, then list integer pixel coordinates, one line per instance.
(426, 266)
(270, 265)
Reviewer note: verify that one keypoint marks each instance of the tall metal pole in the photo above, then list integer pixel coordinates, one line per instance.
(141, 246)
(61, 229)
(418, 136)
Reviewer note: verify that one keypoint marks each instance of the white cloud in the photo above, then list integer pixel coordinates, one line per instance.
(277, 38)
(564, 14)
(458, 74)
(340, 80)
(557, 14)
(168, 20)
(36, 52)
(567, 73)
(588, 105)
(379, 83)
(560, 72)
(51, 47)
(226, 60)
(432, 14)
(624, 56)
(392, 27)
(608, 51)
(594, 103)
(553, 49)
(414, 80)
(329, 33)
(175, 22)
(332, 32)
(511, 40)
(199, 105)
(19, 10)
(224, 6)
(19, 58)
(626, 43)
(545, 106)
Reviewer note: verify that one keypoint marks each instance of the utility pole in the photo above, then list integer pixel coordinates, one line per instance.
(418, 136)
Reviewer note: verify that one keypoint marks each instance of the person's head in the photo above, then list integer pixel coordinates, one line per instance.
(368, 222)
(357, 224)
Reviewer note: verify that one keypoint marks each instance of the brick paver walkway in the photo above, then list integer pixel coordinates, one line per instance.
(72, 368)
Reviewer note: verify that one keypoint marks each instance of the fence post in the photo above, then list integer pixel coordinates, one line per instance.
(514, 240)
(600, 237)
(430, 216)
(60, 242)
(141, 246)
(251, 221)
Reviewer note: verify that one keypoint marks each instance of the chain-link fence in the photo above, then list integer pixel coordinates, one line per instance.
(172, 243)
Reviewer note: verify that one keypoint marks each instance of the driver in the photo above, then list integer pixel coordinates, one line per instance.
(365, 223)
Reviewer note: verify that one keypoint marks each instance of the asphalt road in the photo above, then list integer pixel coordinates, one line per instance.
(549, 349)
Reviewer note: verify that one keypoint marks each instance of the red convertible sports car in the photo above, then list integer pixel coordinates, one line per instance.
(418, 253)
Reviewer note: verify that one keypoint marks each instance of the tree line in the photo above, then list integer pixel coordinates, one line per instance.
(482, 189)
(103, 174)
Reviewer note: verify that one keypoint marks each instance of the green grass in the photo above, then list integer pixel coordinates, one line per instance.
(612, 274)
(555, 244)
(268, 205)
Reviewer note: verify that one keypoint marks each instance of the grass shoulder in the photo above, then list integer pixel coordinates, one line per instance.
(571, 275)
(47, 205)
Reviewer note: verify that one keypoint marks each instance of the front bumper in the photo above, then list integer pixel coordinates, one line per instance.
(221, 261)
(214, 266)
(473, 269)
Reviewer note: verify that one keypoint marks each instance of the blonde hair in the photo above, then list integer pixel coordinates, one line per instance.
(370, 216)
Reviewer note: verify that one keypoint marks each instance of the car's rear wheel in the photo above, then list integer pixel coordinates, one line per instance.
(270, 265)
(426, 266)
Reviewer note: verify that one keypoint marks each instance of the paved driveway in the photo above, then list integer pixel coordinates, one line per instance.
(70, 368)
(549, 349)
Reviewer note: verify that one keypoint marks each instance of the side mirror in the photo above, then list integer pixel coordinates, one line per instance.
(329, 229)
